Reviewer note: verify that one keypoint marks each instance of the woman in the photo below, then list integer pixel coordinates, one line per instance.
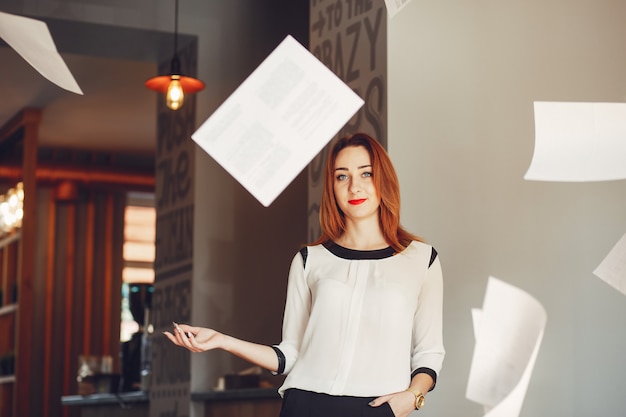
(362, 329)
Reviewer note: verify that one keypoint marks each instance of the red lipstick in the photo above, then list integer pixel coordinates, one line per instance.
(357, 202)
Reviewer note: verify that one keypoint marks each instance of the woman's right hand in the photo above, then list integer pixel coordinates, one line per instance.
(200, 339)
(196, 339)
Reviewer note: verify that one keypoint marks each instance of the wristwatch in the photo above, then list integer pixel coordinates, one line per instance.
(419, 398)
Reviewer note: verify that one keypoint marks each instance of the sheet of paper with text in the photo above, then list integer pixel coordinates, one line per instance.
(612, 269)
(579, 142)
(32, 40)
(277, 120)
(508, 330)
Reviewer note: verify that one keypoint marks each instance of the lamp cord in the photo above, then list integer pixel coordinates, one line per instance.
(176, 29)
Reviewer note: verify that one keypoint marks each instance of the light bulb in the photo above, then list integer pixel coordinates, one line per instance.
(20, 191)
(175, 95)
(13, 200)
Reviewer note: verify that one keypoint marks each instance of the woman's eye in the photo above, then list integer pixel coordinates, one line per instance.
(342, 177)
(367, 174)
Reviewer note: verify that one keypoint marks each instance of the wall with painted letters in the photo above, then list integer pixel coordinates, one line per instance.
(350, 38)
(174, 200)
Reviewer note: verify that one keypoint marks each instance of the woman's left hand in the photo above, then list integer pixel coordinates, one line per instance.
(402, 403)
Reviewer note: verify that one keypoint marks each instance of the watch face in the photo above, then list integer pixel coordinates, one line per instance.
(420, 402)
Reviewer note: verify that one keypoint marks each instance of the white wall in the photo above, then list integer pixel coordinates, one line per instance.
(462, 80)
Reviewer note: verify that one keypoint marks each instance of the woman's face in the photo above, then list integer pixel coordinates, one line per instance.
(354, 187)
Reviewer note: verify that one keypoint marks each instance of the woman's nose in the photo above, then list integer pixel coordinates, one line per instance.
(355, 185)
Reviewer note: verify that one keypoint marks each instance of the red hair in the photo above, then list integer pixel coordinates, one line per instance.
(332, 219)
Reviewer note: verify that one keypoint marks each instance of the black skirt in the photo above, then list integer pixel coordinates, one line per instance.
(299, 403)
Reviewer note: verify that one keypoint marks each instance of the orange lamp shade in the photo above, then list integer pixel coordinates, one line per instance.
(162, 82)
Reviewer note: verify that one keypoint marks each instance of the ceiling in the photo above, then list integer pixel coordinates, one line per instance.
(116, 111)
(110, 64)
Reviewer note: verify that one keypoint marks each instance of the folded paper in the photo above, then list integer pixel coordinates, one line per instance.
(31, 39)
(612, 269)
(394, 6)
(508, 330)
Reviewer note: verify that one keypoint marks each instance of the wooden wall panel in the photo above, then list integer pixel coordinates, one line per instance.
(89, 247)
(69, 275)
(83, 280)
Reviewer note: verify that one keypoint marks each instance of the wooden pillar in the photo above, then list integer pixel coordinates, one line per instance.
(24, 348)
(67, 192)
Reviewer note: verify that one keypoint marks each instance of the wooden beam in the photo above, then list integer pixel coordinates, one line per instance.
(53, 174)
(22, 118)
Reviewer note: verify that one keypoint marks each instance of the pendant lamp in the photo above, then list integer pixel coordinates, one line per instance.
(175, 85)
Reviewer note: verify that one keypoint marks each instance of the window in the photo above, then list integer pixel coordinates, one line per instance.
(138, 253)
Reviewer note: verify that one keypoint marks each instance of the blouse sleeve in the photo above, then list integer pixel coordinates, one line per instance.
(428, 351)
(297, 311)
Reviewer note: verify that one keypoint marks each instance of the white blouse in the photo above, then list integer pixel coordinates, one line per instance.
(359, 323)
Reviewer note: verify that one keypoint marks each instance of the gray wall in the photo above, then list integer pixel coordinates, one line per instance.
(462, 80)
(242, 250)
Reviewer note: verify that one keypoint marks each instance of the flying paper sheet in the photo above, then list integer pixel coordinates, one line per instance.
(394, 6)
(579, 142)
(508, 329)
(32, 40)
(277, 120)
(613, 268)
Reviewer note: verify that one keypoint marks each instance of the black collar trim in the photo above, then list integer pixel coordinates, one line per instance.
(354, 254)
